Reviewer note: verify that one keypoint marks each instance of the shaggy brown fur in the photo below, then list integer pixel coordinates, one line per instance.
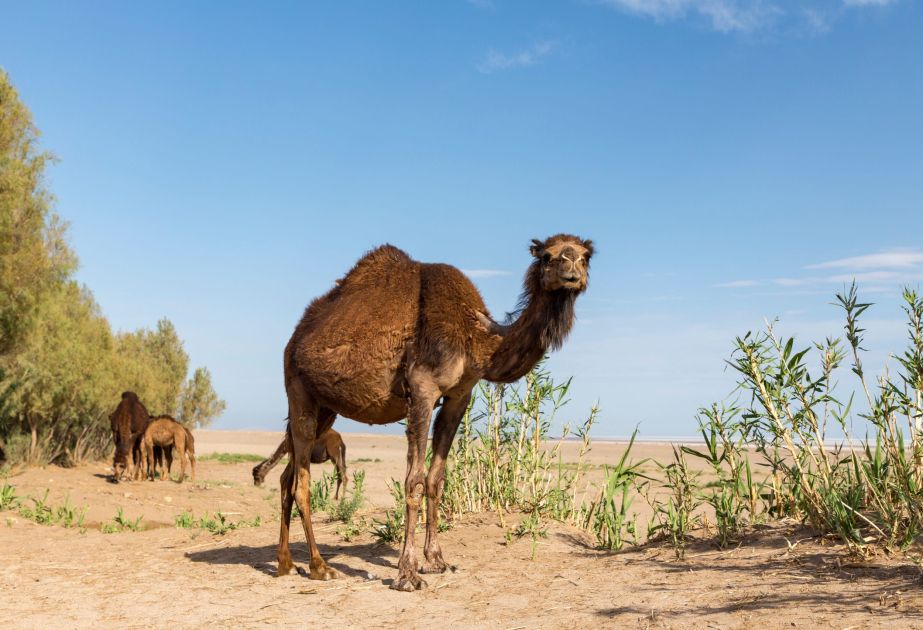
(392, 337)
(328, 446)
(129, 421)
(165, 432)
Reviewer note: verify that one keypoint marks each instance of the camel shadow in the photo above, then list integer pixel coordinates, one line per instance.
(263, 558)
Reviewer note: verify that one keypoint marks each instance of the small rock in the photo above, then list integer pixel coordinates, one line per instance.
(126, 494)
(168, 499)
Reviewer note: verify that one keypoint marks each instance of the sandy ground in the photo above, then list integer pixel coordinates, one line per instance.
(779, 577)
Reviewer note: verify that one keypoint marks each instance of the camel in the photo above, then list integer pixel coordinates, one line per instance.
(129, 421)
(328, 446)
(165, 432)
(168, 451)
(390, 339)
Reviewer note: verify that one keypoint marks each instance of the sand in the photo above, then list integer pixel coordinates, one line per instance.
(50, 576)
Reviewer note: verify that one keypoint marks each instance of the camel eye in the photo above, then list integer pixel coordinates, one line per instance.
(546, 258)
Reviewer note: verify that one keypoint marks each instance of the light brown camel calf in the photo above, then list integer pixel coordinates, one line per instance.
(167, 433)
(392, 337)
(327, 447)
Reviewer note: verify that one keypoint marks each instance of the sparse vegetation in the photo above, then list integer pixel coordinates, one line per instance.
(864, 492)
(184, 520)
(40, 510)
(121, 523)
(391, 529)
(231, 458)
(217, 523)
(8, 498)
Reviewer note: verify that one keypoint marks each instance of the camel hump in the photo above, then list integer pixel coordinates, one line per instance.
(378, 264)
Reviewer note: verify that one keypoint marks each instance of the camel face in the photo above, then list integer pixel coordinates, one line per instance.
(565, 262)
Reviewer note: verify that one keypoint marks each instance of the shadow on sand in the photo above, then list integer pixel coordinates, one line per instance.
(263, 558)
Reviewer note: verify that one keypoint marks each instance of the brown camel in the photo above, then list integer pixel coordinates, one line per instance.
(328, 446)
(165, 432)
(392, 337)
(168, 451)
(129, 421)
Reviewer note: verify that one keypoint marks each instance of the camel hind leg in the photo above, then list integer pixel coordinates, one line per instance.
(302, 425)
(424, 394)
(190, 453)
(179, 442)
(339, 460)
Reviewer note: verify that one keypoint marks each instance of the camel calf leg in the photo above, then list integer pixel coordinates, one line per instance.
(262, 469)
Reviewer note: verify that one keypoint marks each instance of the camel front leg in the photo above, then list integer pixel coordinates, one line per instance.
(444, 430)
(421, 409)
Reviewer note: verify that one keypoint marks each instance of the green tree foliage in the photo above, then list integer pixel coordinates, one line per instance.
(61, 367)
(34, 257)
(159, 375)
(200, 404)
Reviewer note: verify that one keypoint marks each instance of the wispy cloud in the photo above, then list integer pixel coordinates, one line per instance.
(484, 273)
(880, 270)
(496, 61)
(868, 3)
(796, 17)
(895, 258)
(724, 16)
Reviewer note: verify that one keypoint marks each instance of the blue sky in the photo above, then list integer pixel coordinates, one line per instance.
(734, 160)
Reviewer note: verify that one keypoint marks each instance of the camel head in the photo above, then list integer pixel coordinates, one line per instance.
(562, 262)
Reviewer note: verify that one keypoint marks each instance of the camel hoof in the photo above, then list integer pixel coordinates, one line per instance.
(408, 583)
(284, 568)
(324, 573)
(436, 566)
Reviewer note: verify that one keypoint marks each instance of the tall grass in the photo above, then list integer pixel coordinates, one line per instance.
(864, 492)
(503, 460)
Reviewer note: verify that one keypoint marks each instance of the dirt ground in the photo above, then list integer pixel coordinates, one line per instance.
(50, 576)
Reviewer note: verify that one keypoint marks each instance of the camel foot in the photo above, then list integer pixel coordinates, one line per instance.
(323, 572)
(408, 583)
(436, 565)
(285, 567)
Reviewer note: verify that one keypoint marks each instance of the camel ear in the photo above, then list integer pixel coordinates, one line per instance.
(536, 248)
(589, 248)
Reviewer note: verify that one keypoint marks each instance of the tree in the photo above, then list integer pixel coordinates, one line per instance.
(61, 368)
(34, 257)
(154, 365)
(200, 403)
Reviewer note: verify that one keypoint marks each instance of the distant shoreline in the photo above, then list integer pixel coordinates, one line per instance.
(653, 440)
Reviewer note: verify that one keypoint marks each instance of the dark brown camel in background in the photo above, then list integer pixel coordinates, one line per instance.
(129, 421)
(392, 337)
(328, 446)
(165, 432)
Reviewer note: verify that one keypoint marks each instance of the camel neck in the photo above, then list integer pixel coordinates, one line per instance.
(543, 324)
